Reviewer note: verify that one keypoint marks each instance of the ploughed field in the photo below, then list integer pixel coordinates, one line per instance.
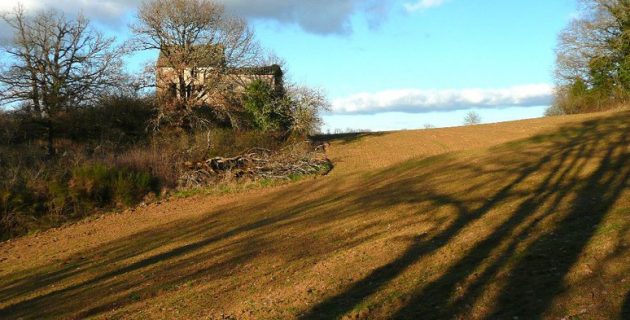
(518, 220)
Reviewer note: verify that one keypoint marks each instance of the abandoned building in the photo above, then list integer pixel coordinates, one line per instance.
(207, 70)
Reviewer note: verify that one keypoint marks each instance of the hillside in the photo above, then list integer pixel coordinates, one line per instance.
(517, 220)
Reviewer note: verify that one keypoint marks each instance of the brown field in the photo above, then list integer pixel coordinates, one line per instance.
(518, 220)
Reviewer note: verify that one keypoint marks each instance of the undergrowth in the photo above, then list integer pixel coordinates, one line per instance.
(106, 159)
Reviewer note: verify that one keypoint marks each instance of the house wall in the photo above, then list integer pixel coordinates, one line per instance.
(167, 77)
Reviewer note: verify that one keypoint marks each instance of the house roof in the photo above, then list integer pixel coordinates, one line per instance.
(212, 56)
(202, 55)
(272, 70)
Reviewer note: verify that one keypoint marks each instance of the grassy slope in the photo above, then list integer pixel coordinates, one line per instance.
(526, 219)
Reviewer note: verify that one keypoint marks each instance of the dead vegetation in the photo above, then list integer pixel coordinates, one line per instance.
(288, 163)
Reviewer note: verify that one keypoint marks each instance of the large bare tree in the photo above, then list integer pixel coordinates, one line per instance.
(595, 47)
(196, 40)
(591, 35)
(54, 63)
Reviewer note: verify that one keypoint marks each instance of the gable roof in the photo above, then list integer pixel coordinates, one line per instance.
(272, 70)
(212, 56)
(203, 55)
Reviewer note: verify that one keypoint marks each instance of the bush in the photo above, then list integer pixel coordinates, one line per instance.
(265, 109)
(306, 105)
(100, 186)
(107, 157)
(580, 97)
(297, 112)
(121, 120)
(31, 201)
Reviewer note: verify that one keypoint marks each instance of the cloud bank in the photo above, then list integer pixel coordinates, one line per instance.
(110, 12)
(418, 101)
(319, 17)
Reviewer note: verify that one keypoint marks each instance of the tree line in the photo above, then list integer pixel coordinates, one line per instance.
(593, 59)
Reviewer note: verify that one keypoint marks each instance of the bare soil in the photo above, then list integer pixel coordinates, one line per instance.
(526, 219)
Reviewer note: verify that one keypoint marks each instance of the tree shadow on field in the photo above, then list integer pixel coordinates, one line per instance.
(557, 177)
(625, 311)
(346, 138)
(530, 182)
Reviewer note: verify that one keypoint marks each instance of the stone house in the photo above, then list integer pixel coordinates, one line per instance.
(207, 71)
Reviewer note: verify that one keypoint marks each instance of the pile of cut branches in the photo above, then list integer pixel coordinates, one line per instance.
(295, 160)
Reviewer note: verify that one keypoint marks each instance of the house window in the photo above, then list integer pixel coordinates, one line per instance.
(189, 91)
(172, 90)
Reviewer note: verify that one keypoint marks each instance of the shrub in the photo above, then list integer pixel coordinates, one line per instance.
(580, 97)
(305, 107)
(30, 200)
(297, 112)
(130, 187)
(100, 186)
(266, 110)
(122, 120)
(17, 204)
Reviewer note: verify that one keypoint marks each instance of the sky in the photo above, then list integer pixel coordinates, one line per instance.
(391, 65)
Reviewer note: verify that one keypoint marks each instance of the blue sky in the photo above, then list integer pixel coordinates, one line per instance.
(389, 65)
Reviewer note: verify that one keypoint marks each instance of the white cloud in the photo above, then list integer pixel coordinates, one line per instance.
(418, 100)
(100, 9)
(423, 5)
(320, 17)
(28, 5)
(108, 12)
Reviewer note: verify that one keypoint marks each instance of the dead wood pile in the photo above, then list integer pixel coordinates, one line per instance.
(258, 163)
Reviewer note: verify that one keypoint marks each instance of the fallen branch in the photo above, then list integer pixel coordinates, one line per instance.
(258, 163)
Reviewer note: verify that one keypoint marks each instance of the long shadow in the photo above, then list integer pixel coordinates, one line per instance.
(346, 138)
(340, 304)
(625, 309)
(53, 302)
(106, 271)
(433, 301)
(66, 301)
(141, 243)
(538, 278)
(553, 254)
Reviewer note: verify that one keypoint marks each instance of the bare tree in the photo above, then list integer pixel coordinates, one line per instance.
(593, 58)
(54, 64)
(197, 42)
(305, 106)
(588, 36)
(472, 118)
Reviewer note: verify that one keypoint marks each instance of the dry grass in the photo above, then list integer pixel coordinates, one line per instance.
(526, 219)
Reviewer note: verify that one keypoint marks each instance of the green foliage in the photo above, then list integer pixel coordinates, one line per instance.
(67, 195)
(594, 59)
(123, 120)
(265, 109)
(101, 186)
(107, 157)
(574, 98)
(553, 111)
(16, 208)
(295, 111)
(601, 72)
